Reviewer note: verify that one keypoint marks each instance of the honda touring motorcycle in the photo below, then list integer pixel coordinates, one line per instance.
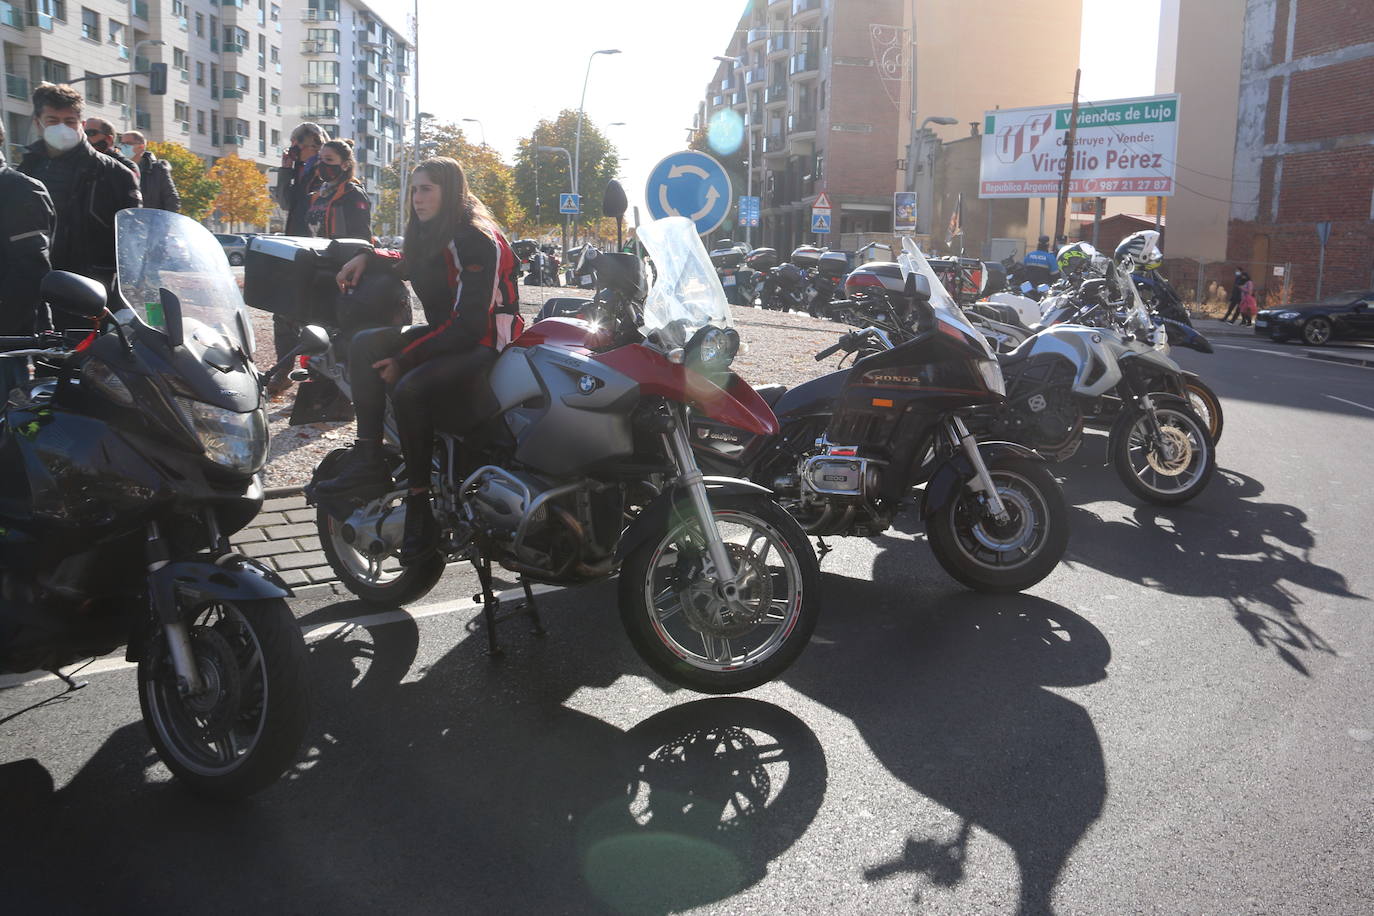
(853, 443)
(586, 469)
(121, 481)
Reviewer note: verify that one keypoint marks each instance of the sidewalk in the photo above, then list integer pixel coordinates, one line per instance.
(283, 536)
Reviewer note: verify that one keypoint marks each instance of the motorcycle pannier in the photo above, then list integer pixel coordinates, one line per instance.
(807, 256)
(295, 278)
(762, 259)
(833, 264)
(727, 257)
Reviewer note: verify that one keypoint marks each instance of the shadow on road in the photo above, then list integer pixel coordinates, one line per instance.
(466, 786)
(1225, 544)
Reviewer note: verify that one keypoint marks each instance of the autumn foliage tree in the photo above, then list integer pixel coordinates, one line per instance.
(242, 196)
(599, 164)
(197, 191)
(490, 178)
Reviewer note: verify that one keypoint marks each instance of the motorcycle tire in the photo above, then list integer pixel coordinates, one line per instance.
(1186, 427)
(972, 550)
(263, 634)
(678, 662)
(1206, 405)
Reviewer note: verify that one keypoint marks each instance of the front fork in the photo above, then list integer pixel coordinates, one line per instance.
(982, 482)
(694, 482)
(189, 681)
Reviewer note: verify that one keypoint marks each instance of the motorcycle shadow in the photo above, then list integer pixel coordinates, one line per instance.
(949, 692)
(1227, 543)
(463, 784)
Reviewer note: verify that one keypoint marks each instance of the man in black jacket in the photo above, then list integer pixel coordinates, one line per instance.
(87, 187)
(26, 225)
(155, 175)
(100, 134)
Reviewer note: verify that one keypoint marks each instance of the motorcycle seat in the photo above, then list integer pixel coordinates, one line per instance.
(771, 394)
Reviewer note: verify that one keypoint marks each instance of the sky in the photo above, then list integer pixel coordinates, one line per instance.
(510, 65)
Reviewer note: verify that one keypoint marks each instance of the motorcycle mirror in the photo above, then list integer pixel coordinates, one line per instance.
(613, 202)
(314, 340)
(917, 287)
(73, 294)
(171, 314)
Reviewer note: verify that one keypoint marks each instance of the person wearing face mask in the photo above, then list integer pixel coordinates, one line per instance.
(26, 225)
(100, 134)
(338, 207)
(154, 174)
(296, 180)
(87, 187)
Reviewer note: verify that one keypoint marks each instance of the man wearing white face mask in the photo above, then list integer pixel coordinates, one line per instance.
(87, 187)
(155, 175)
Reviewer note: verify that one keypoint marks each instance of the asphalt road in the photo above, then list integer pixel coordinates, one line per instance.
(1177, 720)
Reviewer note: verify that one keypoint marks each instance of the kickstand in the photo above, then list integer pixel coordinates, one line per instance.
(822, 548)
(67, 679)
(490, 605)
(532, 609)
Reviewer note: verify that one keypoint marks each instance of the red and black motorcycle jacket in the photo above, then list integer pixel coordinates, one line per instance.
(469, 295)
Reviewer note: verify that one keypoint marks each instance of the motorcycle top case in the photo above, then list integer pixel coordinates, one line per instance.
(727, 257)
(888, 274)
(294, 277)
(833, 264)
(806, 256)
(762, 259)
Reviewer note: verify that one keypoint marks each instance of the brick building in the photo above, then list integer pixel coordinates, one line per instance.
(1304, 148)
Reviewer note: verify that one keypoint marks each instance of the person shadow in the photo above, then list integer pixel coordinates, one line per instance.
(448, 781)
(949, 690)
(1227, 543)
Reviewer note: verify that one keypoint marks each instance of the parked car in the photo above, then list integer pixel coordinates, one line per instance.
(1348, 314)
(234, 247)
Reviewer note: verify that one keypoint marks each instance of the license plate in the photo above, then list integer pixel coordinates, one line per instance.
(1261, 324)
(727, 281)
(585, 281)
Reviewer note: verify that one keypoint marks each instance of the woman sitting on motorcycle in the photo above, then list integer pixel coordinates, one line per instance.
(463, 271)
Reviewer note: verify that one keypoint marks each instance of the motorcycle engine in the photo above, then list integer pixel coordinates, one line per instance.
(834, 491)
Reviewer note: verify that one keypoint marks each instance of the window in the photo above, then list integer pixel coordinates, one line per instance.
(328, 37)
(214, 34)
(179, 60)
(322, 9)
(822, 94)
(321, 105)
(276, 96)
(262, 95)
(181, 111)
(262, 13)
(119, 92)
(52, 71)
(236, 81)
(94, 90)
(200, 73)
(90, 24)
(214, 82)
(322, 72)
(200, 32)
(116, 31)
(200, 122)
(276, 16)
(235, 39)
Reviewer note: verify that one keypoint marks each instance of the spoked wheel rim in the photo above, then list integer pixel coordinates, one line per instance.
(704, 630)
(1008, 545)
(375, 571)
(1177, 461)
(1317, 331)
(215, 732)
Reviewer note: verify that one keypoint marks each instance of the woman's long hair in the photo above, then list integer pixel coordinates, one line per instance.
(348, 168)
(458, 209)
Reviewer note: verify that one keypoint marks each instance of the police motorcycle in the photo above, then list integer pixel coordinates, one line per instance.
(853, 444)
(122, 478)
(584, 469)
(1070, 375)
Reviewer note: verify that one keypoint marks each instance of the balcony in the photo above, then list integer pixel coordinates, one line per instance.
(237, 140)
(232, 95)
(321, 15)
(774, 144)
(320, 81)
(321, 114)
(738, 99)
(16, 87)
(184, 126)
(232, 48)
(775, 94)
(123, 52)
(801, 123)
(756, 35)
(184, 76)
(807, 62)
(313, 46)
(779, 43)
(10, 16)
(757, 75)
(805, 6)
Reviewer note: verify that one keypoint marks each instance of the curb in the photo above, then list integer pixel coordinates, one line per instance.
(1338, 358)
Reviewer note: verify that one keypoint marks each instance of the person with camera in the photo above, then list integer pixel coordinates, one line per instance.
(338, 209)
(296, 182)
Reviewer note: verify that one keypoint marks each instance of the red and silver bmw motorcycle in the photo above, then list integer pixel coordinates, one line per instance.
(586, 470)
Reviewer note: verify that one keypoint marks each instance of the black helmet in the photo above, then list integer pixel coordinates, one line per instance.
(1044, 241)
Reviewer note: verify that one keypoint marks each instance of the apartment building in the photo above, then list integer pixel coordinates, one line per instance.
(224, 78)
(828, 86)
(349, 71)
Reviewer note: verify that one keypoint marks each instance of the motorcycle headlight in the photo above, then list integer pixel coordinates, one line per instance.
(715, 348)
(991, 371)
(235, 441)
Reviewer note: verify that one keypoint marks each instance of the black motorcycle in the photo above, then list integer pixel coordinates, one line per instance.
(122, 475)
(853, 443)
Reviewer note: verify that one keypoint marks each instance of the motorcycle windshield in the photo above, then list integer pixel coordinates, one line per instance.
(158, 249)
(947, 311)
(687, 295)
(1138, 316)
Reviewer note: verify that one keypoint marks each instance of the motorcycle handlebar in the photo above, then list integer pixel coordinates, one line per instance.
(846, 343)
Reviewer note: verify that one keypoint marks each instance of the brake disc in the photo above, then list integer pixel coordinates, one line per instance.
(708, 613)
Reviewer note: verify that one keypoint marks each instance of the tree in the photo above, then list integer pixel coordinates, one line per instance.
(188, 173)
(242, 196)
(599, 164)
(488, 176)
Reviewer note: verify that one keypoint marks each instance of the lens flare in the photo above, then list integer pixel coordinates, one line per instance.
(725, 132)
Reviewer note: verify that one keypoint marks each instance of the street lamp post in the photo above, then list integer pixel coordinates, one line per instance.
(925, 191)
(577, 141)
(748, 139)
(480, 127)
(568, 156)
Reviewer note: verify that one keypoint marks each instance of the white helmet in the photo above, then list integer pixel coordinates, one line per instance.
(1139, 250)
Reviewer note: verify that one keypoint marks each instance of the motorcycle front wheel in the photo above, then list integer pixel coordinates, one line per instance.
(1170, 469)
(687, 633)
(991, 556)
(245, 729)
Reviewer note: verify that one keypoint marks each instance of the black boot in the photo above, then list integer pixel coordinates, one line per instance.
(421, 537)
(362, 472)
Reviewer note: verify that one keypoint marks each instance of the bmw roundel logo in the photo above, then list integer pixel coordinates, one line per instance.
(586, 384)
(1097, 338)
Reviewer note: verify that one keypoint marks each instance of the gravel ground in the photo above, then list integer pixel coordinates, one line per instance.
(778, 348)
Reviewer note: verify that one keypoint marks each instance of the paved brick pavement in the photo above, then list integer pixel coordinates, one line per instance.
(283, 536)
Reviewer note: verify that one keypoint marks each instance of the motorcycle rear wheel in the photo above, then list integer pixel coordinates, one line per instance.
(245, 730)
(684, 633)
(376, 580)
(1206, 405)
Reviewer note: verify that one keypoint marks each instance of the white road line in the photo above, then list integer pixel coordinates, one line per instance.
(318, 631)
(1304, 357)
(1351, 403)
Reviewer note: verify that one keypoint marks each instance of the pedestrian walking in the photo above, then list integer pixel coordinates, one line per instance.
(154, 174)
(1233, 312)
(87, 187)
(1248, 306)
(26, 226)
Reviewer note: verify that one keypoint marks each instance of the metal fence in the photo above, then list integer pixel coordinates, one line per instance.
(1207, 284)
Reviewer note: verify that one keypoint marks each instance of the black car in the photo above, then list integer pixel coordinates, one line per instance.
(1345, 315)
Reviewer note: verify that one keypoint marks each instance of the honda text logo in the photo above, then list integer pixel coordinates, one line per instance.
(1016, 140)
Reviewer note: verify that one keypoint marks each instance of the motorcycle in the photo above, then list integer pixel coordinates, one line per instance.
(121, 480)
(729, 259)
(585, 469)
(853, 443)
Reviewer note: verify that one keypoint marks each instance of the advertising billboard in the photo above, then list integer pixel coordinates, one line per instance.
(1122, 148)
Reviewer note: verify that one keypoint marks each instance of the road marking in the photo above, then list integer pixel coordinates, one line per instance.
(310, 632)
(1305, 357)
(1351, 403)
